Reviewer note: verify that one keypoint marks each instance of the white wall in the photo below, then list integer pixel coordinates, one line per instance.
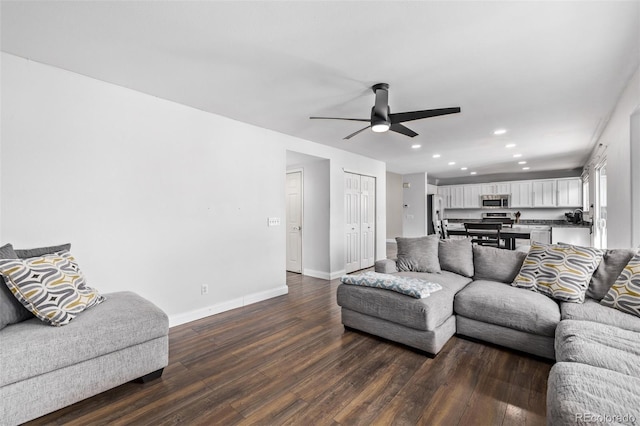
(154, 196)
(616, 137)
(414, 221)
(394, 206)
(315, 227)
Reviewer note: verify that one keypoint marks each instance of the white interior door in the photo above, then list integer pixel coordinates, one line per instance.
(360, 221)
(367, 221)
(352, 221)
(600, 208)
(294, 221)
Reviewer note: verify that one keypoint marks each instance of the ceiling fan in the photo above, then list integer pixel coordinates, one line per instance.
(382, 119)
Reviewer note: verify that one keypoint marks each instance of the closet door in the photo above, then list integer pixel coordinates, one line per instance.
(367, 221)
(352, 221)
(360, 228)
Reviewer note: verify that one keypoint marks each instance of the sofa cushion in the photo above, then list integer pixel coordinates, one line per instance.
(456, 256)
(31, 348)
(599, 345)
(560, 271)
(591, 310)
(624, 295)
(52, 286)
(420, 314)
(11, 310)
(500, 304)
(41, 251)
(494, 264)
(418, 254)
(613, 262)
(582, 394)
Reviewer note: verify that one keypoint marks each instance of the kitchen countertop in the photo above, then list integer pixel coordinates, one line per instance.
(534, 222)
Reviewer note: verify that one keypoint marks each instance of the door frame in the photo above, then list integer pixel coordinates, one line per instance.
(301, 171)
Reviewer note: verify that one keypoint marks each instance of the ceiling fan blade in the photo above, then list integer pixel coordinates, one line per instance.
(355, 133)
(399, 128)
(341, 118)
(401, 117)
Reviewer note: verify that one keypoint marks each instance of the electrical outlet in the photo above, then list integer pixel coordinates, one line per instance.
(204, 289)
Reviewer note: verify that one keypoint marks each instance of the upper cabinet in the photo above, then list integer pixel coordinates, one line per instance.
(544, 193)
(521, 194)
(569, 192)
(495, 188)
(471, 196)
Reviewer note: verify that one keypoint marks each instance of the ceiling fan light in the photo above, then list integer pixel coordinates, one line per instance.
(380, 127)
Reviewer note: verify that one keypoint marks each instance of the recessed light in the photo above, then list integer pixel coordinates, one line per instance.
(451, 163)
(463, 168)
(526, 168)
(436, 155)
(522, 162)
(416, 146)
(473, 173)
(510, 145)
(517, 155)
(500, 131)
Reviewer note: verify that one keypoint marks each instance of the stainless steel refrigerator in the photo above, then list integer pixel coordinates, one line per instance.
(435, 213)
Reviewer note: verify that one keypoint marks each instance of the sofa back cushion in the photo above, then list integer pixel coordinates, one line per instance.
(612, 264)
(494, 264)
(11, 310)
(456, 256)
(418, 254)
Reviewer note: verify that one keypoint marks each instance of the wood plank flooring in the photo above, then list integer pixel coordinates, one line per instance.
(289, 361)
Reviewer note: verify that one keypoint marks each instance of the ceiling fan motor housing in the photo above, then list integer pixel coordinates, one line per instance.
(380, 112)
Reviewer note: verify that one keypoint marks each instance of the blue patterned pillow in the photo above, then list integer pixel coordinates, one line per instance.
(561, 272)
(52, 286)
(413, 287)
(624, 295)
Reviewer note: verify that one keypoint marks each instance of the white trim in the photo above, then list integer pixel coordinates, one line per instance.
(317, 274)
(337, 274)
(391, 240)
(228, 305)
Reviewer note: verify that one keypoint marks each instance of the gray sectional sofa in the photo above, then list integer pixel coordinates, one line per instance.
(45, 368)
(597, 348)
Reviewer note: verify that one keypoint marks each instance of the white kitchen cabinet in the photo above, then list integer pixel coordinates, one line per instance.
(471, 196)
(569, 192)
(456, 196)
(445, 193)
(571, 235)
(544, 193)
(540, 234)
(521, 194)
(500, 188)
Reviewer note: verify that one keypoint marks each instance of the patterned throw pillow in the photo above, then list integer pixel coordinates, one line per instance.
(561, 272)
(51, 286)
(413, 287)
(624, 295)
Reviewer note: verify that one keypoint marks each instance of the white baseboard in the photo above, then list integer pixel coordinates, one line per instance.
(337, 274)
(317, 274)
(238, 302)
(391, 240)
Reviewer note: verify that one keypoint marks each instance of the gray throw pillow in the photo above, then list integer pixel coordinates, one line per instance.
(11, 310)
(41, 251)
(494, 264)
(456, 256)
(418, 254)
(610, 268)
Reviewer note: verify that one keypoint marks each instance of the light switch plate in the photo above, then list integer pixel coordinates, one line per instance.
(273, 221)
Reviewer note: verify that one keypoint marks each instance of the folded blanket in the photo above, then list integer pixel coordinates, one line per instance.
(413, 287)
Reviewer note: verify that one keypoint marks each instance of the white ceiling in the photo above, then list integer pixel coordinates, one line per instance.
(549, 72)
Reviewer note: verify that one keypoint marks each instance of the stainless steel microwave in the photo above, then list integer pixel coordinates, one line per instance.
(495, 201)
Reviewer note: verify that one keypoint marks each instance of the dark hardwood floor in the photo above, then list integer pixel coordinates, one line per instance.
(289, 361)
